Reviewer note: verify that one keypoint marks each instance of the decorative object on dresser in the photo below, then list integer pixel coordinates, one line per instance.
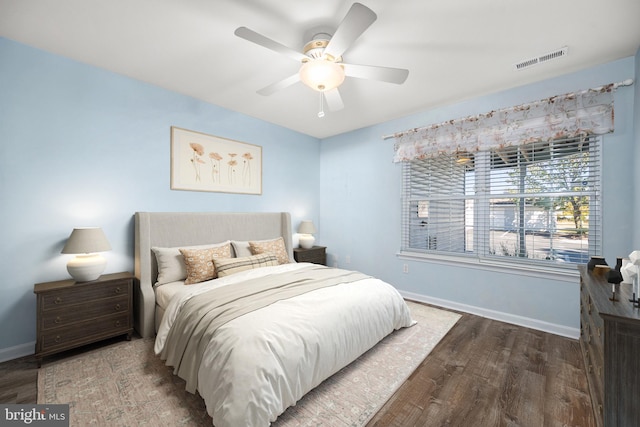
(306, 231)
(595, 260)
(631, 274)
(86, 242)
(315, 254)
(615, 275)
(609, 340)
(72, 314)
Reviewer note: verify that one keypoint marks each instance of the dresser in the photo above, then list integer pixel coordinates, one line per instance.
(610, 344)
(71, 314)
(315, 254)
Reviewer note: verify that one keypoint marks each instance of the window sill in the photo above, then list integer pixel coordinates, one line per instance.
(567, 273)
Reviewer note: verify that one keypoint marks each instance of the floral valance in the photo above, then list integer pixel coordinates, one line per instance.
(563, 116)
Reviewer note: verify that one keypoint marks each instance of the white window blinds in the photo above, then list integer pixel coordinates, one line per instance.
(537, 202)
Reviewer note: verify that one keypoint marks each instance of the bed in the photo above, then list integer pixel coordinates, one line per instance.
(266, 330)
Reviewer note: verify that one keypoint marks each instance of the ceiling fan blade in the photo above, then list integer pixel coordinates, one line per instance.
(252, 36)
(357, 20)
(372, 72)
(334, 100)
(272, 88)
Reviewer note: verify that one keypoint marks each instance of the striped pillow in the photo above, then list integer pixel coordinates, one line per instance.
(228, 266)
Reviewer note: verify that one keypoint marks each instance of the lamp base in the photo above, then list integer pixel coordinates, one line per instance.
(85, 268)
(306, 241)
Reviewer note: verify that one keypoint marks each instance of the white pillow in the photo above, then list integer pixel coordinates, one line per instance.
(171, 266)
(241, 248)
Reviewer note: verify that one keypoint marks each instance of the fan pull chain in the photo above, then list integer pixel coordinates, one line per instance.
(321, 112)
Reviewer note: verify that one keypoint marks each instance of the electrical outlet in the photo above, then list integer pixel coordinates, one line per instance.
(405, 268)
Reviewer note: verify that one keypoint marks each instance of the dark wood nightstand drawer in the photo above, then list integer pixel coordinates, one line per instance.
(81, 294)
(90, 310)
(85, 332)
(316, 255)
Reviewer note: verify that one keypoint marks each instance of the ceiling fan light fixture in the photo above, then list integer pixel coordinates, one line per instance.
(322, 75)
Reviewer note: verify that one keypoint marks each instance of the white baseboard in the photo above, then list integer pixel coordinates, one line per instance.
(527, 322)
(17, 351)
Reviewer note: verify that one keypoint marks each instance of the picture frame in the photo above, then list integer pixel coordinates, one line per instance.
(202, 162)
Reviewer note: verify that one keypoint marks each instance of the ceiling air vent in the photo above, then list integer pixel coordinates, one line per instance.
(542, 58)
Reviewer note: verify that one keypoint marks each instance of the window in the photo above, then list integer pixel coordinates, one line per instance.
(536, 203)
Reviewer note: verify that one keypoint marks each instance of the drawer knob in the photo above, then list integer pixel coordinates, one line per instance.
(57, 338)
(117, 323)
(590, 368)
(58, 320)
(598, 330)
(58, 300)
(117, 307)
(118, 290)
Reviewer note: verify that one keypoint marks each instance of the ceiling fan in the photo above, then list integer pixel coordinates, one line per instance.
(322, 67)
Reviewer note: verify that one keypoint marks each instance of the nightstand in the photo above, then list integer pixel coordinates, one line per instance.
(73, 314)
(316, 255)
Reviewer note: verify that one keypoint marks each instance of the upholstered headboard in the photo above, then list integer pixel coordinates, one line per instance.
(175, 229)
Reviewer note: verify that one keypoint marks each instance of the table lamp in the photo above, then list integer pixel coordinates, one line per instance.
(306, 230)
(86, 242)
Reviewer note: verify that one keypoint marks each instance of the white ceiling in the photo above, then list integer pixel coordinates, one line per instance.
(454, 49)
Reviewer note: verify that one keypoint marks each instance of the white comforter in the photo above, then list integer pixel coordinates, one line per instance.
(259, 364)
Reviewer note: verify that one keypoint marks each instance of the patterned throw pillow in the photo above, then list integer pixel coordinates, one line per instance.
(171, 267)
(275, 247)
(228, 266)
(199, 262)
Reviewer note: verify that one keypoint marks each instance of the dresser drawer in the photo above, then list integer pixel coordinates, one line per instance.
(82, 294)
(61, 317)
(315, 255)
(85, 332)
(594, 368)
(315, 259)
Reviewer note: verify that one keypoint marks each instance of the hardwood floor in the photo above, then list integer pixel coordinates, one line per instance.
(489, 373)
(483, 373)
(18, 380)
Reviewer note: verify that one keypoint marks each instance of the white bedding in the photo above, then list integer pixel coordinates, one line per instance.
(260, 363)
(166, 292)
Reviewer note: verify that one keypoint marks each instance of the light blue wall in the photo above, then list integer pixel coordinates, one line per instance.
(360, 208)
(81, 146)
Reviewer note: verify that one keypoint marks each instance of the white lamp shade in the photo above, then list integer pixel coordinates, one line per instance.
(88, 265)
(306, 227)
(86, 240)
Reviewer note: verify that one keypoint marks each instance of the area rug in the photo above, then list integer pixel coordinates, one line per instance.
(125, 384)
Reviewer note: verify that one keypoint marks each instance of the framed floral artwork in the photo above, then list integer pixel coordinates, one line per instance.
(201, 162)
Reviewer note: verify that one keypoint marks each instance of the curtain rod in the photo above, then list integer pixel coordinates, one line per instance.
(627, 82)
